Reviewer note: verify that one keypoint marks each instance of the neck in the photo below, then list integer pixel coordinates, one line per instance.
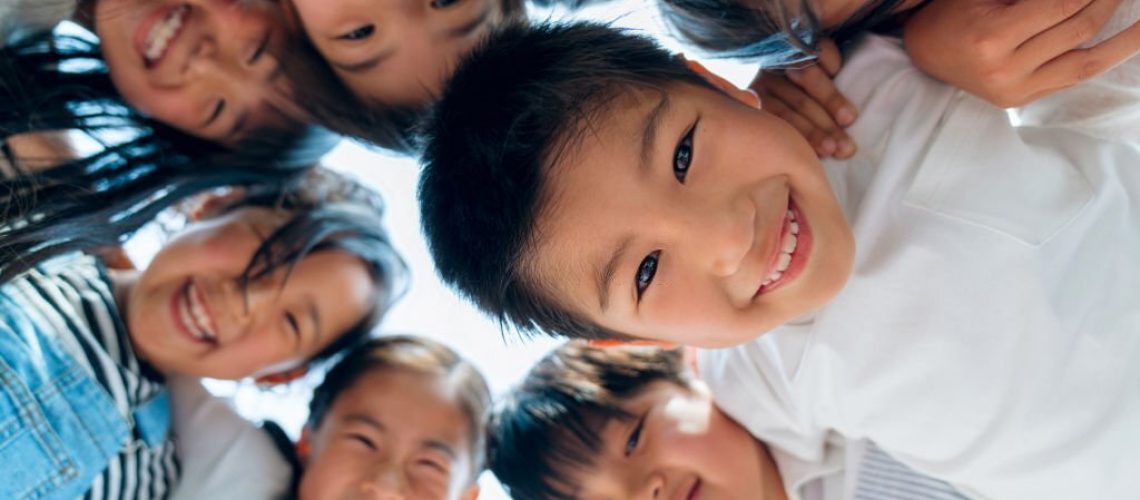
(122, 283)
(770, 479)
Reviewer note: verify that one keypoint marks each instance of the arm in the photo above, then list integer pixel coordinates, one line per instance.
(1012, 53)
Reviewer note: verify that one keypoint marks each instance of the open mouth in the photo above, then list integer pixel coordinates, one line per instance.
(155, 35)
(192, 315)
(793, 249)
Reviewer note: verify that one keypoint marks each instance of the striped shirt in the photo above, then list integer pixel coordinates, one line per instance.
(71, 298)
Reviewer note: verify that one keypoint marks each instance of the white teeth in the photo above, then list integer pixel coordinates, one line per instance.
(789, 243)
(786, 250)
(196, 316)
(783, 261)
(163, 31)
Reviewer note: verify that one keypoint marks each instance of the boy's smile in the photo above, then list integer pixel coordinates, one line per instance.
(685, 216)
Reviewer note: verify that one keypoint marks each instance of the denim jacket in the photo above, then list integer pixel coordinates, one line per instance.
(59, 428)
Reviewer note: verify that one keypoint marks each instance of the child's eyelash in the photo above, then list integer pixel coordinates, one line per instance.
(683, 154)
(645, 272)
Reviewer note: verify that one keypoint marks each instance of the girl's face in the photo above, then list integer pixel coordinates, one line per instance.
(204, 67)
(392, 434)
(187, 314)
(396, 52)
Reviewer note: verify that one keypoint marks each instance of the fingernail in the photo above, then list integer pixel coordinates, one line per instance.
(845, 116)
(828, 146)
(846, 147)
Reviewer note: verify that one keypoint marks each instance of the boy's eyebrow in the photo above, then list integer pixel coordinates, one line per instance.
(649, 131)
(469, 27)
(366, 420)
(606, 275)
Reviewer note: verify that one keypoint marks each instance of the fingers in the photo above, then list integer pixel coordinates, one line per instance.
(1068, 34)
(1030, 17)
(820, 87)
(787, 102)
(824, 145)
(1079, 65)
(829, 57)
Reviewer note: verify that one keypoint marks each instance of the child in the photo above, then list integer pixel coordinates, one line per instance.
(99, 136)
(398, 417)
(633, 422)
(583, 182)
(261, 285)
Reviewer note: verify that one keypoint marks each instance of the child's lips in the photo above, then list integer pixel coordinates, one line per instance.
(792, 245)
(694, 492)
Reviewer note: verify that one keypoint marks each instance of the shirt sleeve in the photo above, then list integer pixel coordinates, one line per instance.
(223, 455)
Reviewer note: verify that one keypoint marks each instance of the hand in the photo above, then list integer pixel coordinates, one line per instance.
(1011, 52)
(808, 100)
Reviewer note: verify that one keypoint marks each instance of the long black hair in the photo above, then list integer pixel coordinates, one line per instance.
(52, 82)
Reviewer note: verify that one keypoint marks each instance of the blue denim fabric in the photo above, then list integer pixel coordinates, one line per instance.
(58, 426)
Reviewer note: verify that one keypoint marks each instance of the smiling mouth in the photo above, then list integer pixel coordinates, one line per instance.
(794, 247)
(192, 315)
(160, 35)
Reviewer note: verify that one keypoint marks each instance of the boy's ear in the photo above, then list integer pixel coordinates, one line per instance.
(472, 493)
(604, 343)
(210, 204)
(303, 444)
(746, 96)
(281, 377)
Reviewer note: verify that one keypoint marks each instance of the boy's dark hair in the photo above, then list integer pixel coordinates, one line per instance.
(53, 82)
(328, 212)
(770, 32)
(547, 431)
(509, 113)
(417, 355)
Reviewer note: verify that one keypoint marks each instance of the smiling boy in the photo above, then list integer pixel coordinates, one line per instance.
(582, 182)
(633, 422)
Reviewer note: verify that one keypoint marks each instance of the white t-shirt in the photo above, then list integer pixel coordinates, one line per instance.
(223, 455)
(990, 332)
(20, 18)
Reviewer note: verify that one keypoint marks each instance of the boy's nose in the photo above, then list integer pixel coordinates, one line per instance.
(652, 489)
(387, 484)
(722, 238)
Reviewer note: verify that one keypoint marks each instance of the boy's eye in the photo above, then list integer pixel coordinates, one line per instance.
(219, 106)
(634, 437)
(434, 465)
(294, 325)
(683, 155)
(359, 33)
(645, 272)
(362, 439)
(443, 4)
(259, 51)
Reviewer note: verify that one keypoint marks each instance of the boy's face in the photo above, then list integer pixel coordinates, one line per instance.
(202, 66)
(688, 217)
(397, 52)
(679, 446)
(187, 314)
(392, 434)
